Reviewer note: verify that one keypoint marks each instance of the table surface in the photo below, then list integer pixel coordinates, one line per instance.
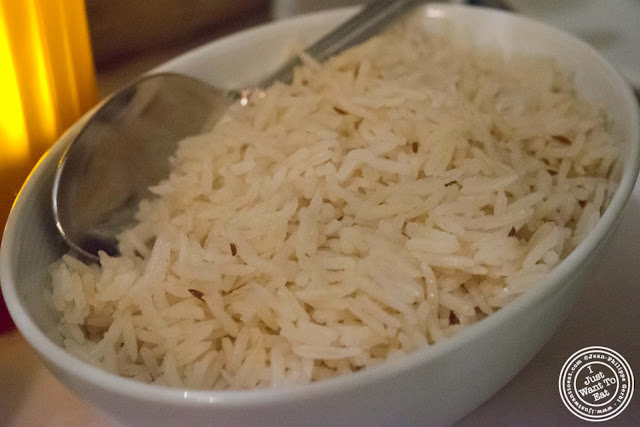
(606, 315)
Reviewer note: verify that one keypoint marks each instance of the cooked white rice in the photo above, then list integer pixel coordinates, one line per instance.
(385, 200)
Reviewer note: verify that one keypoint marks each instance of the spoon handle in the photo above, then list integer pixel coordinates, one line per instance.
(359, 28)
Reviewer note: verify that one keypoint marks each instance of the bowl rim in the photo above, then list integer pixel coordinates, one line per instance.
(553, 283)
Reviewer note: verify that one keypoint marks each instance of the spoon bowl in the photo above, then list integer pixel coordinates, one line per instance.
(124, 148)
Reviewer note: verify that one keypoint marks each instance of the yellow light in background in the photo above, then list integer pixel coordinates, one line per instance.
(27, 50)
(13, 148)
(47, 81)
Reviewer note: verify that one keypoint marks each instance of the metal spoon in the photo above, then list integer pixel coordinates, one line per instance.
(125, 147)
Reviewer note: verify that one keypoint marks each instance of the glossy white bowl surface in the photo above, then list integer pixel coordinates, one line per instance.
(435, 385)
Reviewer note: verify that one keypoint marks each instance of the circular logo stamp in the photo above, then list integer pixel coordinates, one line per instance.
(596, 384)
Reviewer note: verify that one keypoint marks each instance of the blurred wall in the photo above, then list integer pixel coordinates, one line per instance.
(285, 8)
(123, 27)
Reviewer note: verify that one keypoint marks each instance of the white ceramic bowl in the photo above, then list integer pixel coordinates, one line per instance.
(436, 385)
